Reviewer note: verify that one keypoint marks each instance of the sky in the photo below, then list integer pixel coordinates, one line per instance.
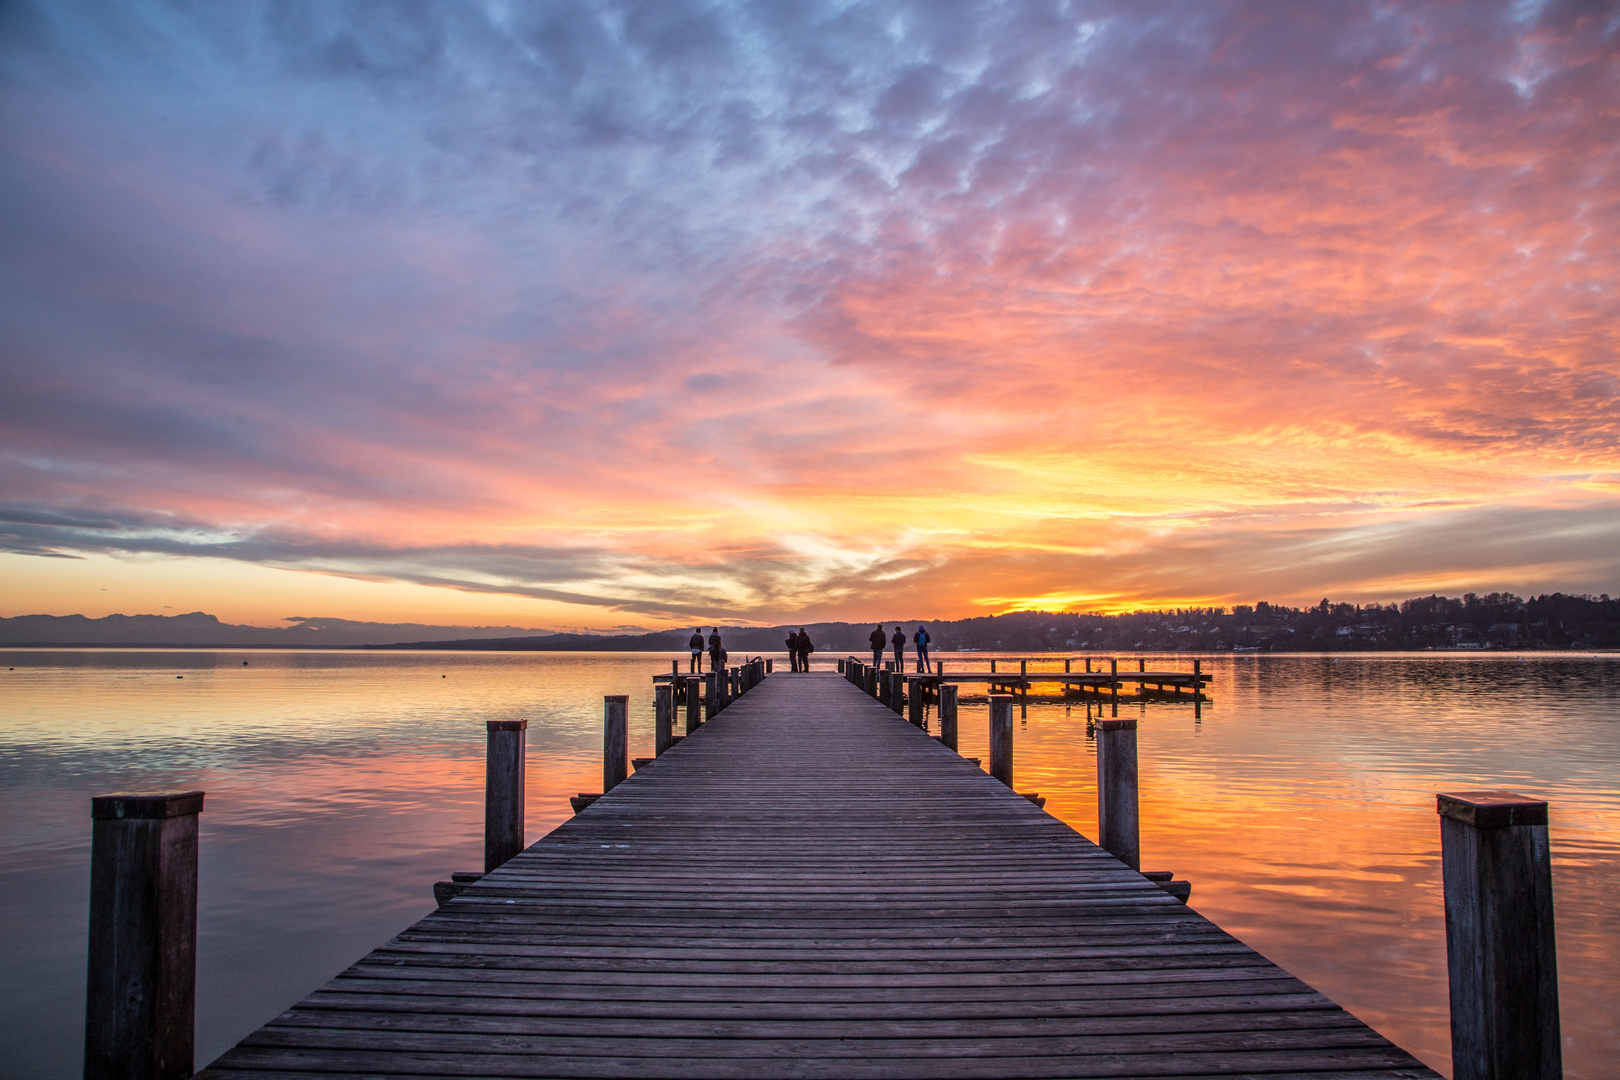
(610, 315)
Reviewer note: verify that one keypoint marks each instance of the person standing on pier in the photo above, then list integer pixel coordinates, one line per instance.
(696, 645)
(899, 642)
(878, 640)
(792, 644)
(921, 638)
(714, 648)
(805, 649)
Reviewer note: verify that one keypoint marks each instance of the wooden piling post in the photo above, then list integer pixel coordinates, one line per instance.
(914, 704)
(1118, 827)
(1499, 936)
(1141, 663)
(1001, 738)
(897, 692)
(1068, 664)
(947, 714)
(694, 702)
(1198, 689)
(503, 790)
(1113, 675)
(711, 692)
(140, 1001)
(1023, 679)
(615, 740)
(663, 718)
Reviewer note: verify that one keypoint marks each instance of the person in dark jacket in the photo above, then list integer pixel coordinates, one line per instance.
(899, 643)
(714, 648)
(805, 649)
(878, 640)
(696, 645)
(792, 644)
(921, 638)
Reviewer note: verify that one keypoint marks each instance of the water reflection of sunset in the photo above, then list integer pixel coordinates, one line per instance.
(341, 785)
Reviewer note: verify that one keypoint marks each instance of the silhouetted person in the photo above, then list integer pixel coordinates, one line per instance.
(805, 649)
(878, 640)
(899, 643)
(921, 638)
(792, 644)
(696, 645)
(714, 648)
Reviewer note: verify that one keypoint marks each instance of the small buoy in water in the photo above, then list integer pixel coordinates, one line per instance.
(444, 676)
(244, 663)
(179, 676)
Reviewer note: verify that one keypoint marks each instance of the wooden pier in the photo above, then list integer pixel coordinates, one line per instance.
(809, 886)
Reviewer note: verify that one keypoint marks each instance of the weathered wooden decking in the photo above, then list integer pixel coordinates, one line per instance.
(809, 886)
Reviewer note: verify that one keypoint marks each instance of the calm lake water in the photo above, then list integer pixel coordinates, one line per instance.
(341, 785)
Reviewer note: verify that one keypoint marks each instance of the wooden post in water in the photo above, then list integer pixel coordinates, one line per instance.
(694, 702)
(140, 1000)
(1141, 663)
(1118, 828)
(615, 740)
(503, 790)
(768, 667)
(1023, 678)
(711, 695)
(1001, 738)
(1198, 689)
(1499, 936)
(947, 714)
(663, 717)
(1068, 662)
(914, 704)
(1113, 671)
(897, 692)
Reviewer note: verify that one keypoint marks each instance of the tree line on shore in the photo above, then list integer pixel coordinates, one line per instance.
(1493, 621)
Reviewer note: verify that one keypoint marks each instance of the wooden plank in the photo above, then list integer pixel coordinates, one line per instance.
(810, 885)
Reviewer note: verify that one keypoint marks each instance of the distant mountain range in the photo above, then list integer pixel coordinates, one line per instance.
(201, 629)
(1494, 621)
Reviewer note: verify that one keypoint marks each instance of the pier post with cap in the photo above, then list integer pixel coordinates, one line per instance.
(947, 714)
(503, 790)
(615, 740)
(1118, 826)
(914, 704)
(140, 1001)
(1001, 738)
(1113, 682)
(1499, 936)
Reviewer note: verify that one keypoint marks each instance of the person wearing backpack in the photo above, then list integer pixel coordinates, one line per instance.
(696, 645)
(714, 648)
(899, 643)
(792, 644)
(805, 649)
(921, 639)
(878, 640)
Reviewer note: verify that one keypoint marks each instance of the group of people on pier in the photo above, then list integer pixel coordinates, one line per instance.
(716, 649)
(898, 643)
(799, 649)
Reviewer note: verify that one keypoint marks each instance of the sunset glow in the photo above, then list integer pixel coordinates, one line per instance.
(609, 315)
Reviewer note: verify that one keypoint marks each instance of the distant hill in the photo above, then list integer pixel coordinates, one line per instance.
(201, 629)
(1494, 621)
